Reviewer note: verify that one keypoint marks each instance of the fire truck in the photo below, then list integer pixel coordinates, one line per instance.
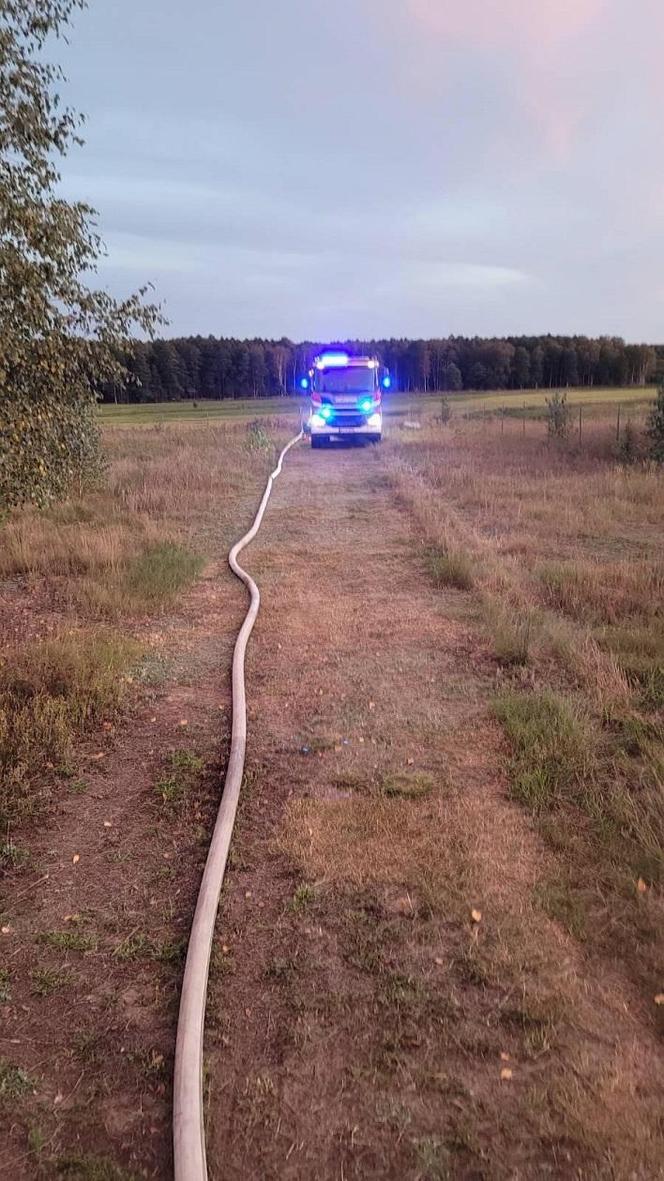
(346, 398)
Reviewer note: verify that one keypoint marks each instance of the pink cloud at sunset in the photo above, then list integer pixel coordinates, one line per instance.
(531, 25)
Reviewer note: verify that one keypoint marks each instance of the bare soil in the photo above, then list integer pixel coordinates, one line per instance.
(98, 916)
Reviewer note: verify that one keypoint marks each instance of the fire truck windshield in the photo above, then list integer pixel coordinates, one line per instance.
(356, 379)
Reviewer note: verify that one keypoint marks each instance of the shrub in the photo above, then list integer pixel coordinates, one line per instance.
(558, 415)
(655, 431)
(628, 447)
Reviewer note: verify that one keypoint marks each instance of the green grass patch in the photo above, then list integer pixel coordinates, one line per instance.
(69, 940)
(158, 575)
(184, 769)
(135, 947)
(550, 745)
(449, 568)
(412, 785)
(258, 439)
(302, 898)
(138, 946)
(46, 981)
(15, 1083)
(143, 584)
(408, 787)
(565, 905)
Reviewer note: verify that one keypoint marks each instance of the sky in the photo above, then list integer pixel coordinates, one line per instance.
(332, 169)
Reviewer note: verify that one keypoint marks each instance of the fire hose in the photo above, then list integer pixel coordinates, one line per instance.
(188, 1122)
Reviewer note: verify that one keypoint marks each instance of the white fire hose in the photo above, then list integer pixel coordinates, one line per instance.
(188, 1123)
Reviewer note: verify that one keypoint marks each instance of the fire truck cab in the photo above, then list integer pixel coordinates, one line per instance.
(346, 398)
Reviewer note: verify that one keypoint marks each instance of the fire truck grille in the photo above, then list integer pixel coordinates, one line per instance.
(340, 419)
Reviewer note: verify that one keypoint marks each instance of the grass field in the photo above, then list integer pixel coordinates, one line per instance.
(563, 549)
(164, 412)
(440, 948)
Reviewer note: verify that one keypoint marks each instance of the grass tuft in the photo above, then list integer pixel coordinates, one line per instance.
(15, 1083)
(46, 981)
(449, 568)
(158, 575)
(550, 744)
(511, 632)
(69, 940)
(184, 768)
(302, 898)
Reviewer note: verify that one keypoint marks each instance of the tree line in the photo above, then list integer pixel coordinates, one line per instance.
(210, 367)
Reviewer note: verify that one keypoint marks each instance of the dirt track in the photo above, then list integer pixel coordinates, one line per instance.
(388, 998)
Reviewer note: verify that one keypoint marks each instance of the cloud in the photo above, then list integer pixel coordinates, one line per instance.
(482, 277)
(474, 166)
(526, 26)
(539, 46)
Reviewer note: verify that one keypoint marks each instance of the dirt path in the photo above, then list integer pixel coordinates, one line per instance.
(95, 924)
(388, 998)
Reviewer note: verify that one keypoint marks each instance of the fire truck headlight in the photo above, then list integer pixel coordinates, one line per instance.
(317, 420)
(374, 421)
(366, 405)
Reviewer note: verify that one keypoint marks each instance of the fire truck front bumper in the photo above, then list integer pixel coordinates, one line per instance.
(338, 425)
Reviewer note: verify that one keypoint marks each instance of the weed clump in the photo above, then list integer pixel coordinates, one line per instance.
(14, 1082)
(450, 568)
(184, 768)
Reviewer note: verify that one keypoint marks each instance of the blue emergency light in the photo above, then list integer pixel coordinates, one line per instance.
(304, 383)
(387, 382)
(332, 361)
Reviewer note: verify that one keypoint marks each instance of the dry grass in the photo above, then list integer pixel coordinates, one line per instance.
(569, 574)
(124, 551)
(601, 592)
(50, 692)
(355, 841)
(564, 536)
(449, 568)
